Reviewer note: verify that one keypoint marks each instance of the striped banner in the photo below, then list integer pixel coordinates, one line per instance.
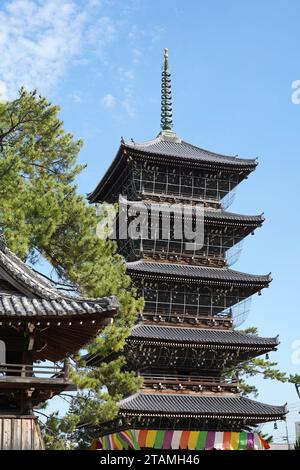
(192, 440)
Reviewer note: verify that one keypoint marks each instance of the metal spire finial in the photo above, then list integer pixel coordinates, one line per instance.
(166, 95)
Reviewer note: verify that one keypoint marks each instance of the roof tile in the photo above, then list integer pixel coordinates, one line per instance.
(199, 272)
(200, 335)
(197, 404)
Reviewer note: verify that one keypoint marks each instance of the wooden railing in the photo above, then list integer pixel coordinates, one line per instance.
(184, 313)
(181, 382)
(23, 370)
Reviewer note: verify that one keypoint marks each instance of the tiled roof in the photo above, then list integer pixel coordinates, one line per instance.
(198, 272)
(200, 336)
(175, 147)
(189, 404)
(232, 217)
(168, 150)
(13, 269)
(23, 291)
(209, 214)
(16, 305)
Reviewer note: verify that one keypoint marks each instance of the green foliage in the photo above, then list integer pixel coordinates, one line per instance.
(257, 366)
(297, 444)
(43, 216)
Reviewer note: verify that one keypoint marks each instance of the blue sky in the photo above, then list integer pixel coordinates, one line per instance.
(233, 64)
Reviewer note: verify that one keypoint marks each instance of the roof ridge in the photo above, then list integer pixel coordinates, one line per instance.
(234, 157)
(212, 332)
(192, 266)
(162, 138)
(37, 284)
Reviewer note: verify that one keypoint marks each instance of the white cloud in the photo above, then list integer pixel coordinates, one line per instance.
(109, 101)
(101, 33)
(37, 41)
(129, 104)
(76, 97)
(94, 3)
(126, 75)
(130, 74)
(40, 40)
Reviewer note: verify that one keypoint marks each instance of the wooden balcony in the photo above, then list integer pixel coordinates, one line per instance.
(181, 383)
(22, 376)
(162, 315)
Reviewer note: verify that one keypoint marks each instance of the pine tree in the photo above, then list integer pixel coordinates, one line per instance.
(43, 215)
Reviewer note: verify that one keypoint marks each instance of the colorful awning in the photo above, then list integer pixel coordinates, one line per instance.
(192, 440)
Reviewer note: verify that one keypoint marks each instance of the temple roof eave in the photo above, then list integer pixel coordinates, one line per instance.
(176, 148)
(188, 405)
(206, 275)
(31, 294)
(200, 337)
(210, 216)
(130, 150)
(19, 306)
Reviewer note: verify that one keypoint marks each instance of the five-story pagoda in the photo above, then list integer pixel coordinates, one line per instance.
(184, 343)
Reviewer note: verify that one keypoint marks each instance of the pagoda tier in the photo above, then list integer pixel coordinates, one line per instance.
(40, 322)
(188, 349)
(194, 295)
(198, 274)
(170, 169)
(194, 411)
(222, 233)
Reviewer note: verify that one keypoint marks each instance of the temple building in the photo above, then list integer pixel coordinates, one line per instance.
(185, 344)
(40, 327)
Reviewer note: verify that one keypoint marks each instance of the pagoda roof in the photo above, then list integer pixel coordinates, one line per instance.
(221, 216)
(201, 337)
(206, 406)
(197, 273)
(170, 150)
(218, 216)
(173, 146)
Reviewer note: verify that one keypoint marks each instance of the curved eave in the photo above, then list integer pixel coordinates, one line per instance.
(23, 278)
(211, 216)
(229, 218)
(245, 168)
(118, 164)
(203, 275)
(200, 338)
(176, 405)
(176, 149)
(30, 294)
(127, 152)
(263, 348)
(16, 306)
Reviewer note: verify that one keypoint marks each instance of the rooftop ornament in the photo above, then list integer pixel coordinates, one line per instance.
(166, 97)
